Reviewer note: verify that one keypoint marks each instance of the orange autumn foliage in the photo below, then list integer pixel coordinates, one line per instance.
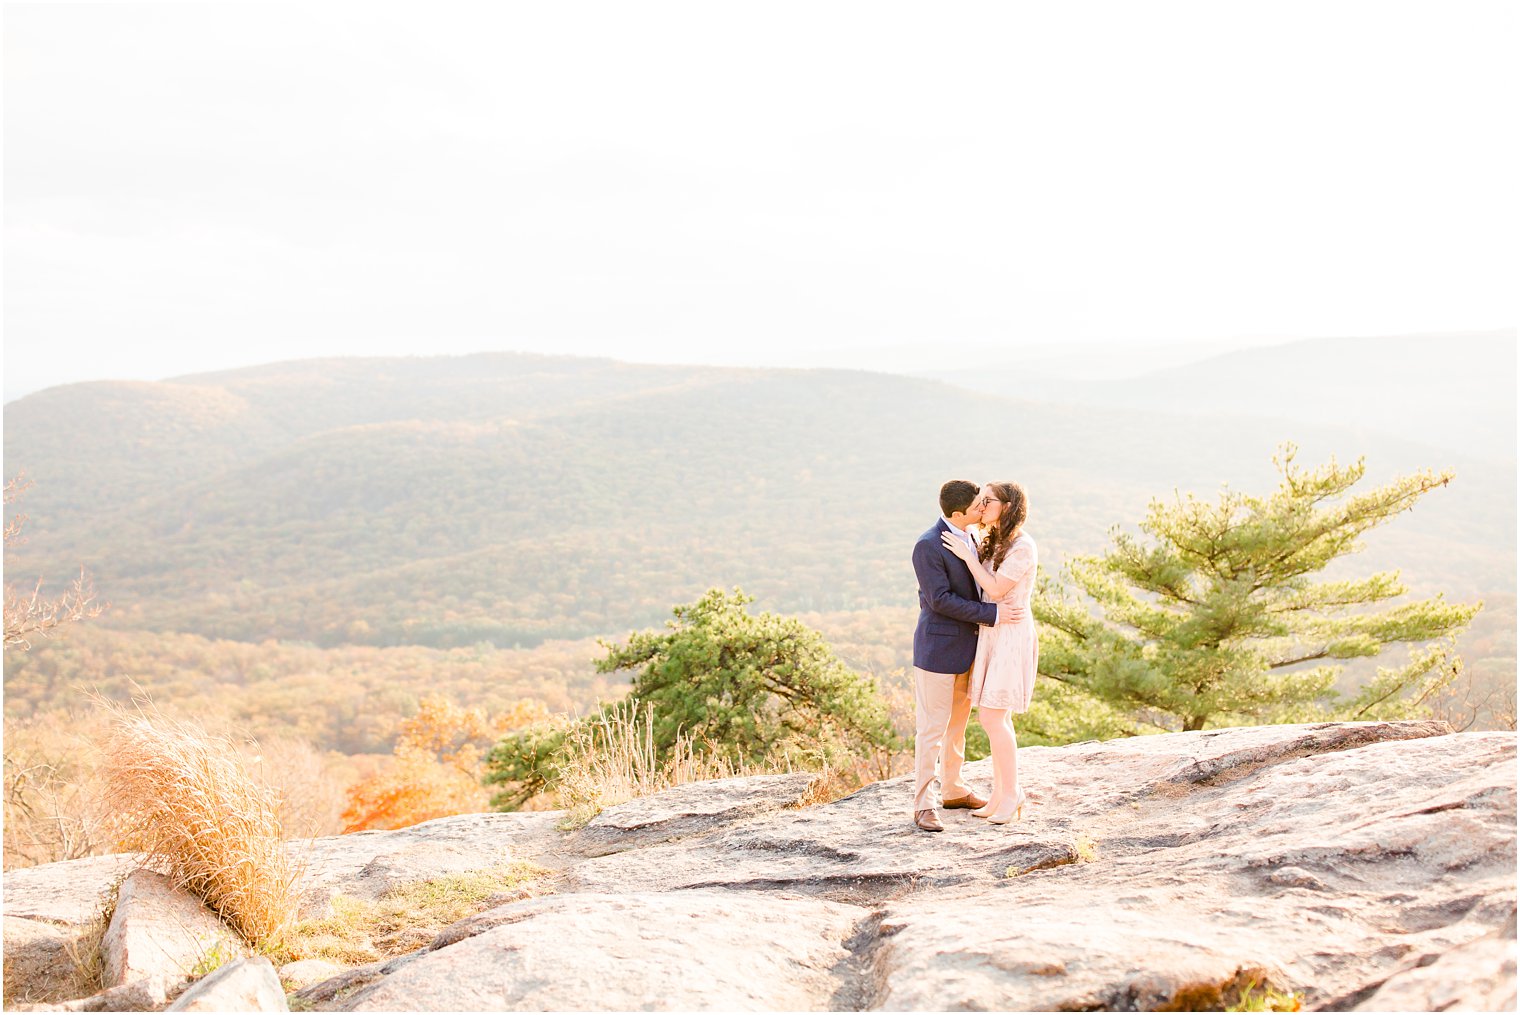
(436, 765)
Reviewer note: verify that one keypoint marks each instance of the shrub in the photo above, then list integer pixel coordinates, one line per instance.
(527, 764)
(751, 685)
(718, 693)
(56, 804)
(436, 768)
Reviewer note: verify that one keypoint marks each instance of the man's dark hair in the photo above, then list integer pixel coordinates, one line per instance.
(956, 495)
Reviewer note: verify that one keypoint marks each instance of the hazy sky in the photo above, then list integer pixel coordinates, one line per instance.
(197, 186)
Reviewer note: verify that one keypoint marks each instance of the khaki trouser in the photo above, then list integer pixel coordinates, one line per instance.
(942, 705)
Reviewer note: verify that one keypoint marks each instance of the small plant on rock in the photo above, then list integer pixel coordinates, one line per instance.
(1269, 999)
(214, 958)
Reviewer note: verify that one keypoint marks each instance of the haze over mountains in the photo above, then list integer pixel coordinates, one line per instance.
(1452, 390)
(511, 498)
(1068, 361)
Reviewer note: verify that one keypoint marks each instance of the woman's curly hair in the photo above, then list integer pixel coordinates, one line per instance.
(1000, 537)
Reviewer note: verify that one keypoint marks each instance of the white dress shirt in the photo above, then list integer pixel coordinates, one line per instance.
(970, 541)
(960, 533)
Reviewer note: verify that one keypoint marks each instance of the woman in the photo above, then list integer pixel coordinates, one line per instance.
(1008, 655)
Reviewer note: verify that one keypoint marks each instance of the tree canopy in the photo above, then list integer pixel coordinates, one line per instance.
(749, 684)
(1222, 615)
(750, 688)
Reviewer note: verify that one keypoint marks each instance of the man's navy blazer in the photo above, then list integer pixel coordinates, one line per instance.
(949, 608)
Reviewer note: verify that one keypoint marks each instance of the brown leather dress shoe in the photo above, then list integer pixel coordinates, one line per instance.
(928, 821)
(970, 801)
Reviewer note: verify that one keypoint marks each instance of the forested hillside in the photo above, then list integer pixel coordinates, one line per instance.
(511, 499)
(350, 698)
(307, 552)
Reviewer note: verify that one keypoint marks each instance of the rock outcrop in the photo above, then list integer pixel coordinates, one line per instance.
(249, 984)
(36, 958)
(682, 951)
(366, 865)
(159, 933)
(1359, 866)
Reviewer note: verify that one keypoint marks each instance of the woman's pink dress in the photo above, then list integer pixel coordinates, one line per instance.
(1008, 655)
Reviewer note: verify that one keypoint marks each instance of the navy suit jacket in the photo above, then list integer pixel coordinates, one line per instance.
(949, 607)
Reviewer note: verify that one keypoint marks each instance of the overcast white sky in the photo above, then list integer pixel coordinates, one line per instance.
(198, 186)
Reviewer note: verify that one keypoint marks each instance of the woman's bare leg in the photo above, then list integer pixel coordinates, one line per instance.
(1013, 759)
(998, 723)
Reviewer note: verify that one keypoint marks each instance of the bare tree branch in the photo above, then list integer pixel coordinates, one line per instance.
(29, 614)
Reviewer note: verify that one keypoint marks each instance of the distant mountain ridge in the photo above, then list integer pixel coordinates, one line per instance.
(1454, 391)
(512, 498)
(1076, 360)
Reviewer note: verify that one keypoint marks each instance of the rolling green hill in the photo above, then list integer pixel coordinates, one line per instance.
(511, 499)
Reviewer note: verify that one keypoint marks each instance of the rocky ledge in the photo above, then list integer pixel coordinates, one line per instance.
(1359, 866)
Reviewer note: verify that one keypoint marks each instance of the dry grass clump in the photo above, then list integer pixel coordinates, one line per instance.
(403, 919)
(613, 759)
(58, 805)
(832, 783)
(193, 808)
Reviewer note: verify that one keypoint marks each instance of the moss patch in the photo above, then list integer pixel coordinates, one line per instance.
(404, 919)
(1245, 990)
(1082, 849)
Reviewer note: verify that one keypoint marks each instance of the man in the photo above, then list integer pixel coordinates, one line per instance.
(944, 647)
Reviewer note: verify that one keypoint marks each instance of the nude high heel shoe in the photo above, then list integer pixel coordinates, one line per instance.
(1016, 811)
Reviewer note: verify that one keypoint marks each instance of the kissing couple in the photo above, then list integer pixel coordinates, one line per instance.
(975, 646)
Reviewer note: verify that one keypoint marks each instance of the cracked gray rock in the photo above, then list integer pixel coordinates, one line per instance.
(68, 893)
(1365, 865)
(159, 933)
(366, 865)
(677, 951)
(1316, 859)
(689, 810)
(1458, 980)
(249, 984)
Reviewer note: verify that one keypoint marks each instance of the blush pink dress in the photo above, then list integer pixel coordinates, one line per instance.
(1008, 655)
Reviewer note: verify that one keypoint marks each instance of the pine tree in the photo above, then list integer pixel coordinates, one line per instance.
(740, 689)
(1222, 617)
(749, 684)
